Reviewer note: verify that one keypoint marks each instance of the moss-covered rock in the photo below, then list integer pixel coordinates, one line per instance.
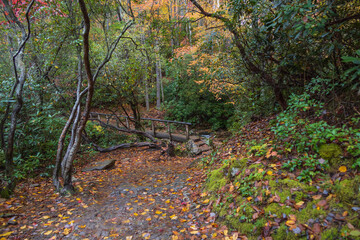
(348, 190)
(332, 153)
(216, 179)
(236, 166)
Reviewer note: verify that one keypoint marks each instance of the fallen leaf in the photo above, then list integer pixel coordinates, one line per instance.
(342, 169)
(206, 201)
(316, 197)
(290, 222)
(67, 231)
(48, 232)
(6, 234)
(322, 203)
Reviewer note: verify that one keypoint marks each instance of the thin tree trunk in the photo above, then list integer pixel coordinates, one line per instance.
(146, 92)
(17, 90)
(161, 83)
(158, 77)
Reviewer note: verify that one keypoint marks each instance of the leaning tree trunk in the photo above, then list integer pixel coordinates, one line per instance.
(79, 115)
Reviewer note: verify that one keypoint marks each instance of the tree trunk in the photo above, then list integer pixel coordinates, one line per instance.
(158, 80)
(146, 92)
(78, 117)
(17, 91)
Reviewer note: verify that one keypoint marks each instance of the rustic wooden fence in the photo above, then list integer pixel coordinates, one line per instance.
(113, 117)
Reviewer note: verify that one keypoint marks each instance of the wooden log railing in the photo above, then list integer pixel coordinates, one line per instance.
(108, 117)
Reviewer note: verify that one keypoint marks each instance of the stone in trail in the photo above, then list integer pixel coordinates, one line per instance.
(101, 165)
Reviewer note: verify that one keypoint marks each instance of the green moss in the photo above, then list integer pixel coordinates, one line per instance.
(282, 233)
(348, 189)
(243, 228)
(275, 208)
(333, 153)
(281, 183)
(239, 163)
(330, 234)
(310, 212)
(216, 179)
(260, 223)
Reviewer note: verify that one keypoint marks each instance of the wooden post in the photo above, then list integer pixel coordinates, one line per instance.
(127, 123)
(99, 117)
(153, 128)
(187, 132)
(169, 130)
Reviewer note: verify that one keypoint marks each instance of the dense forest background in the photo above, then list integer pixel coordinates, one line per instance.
(219, 64)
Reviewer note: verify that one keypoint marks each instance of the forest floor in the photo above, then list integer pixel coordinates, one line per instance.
(142, 197)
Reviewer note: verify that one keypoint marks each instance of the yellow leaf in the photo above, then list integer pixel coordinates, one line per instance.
(342, 169)
(194, 232)
(45, 217)
(204, 237)
(300, 203)
(148, 219)
(260, 170)
(126, 221)
(206, 201)
(129, 237)
(225, 232)
(82, 226)
(249, 199)
(158, 212)
(290, 222)
(48, 232)
(135, 214)
(6, 234)
(173, 217)
(269, 173)
(23, 227)
(67, 231)
(167, 201)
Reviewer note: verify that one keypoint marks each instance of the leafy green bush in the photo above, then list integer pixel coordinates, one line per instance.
(297, 131)
(188, 100)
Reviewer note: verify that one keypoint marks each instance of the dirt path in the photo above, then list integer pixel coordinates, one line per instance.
(141, 198)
